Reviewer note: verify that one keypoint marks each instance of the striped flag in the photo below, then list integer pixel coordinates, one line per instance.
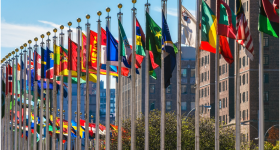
(243, 36)
(9, 79)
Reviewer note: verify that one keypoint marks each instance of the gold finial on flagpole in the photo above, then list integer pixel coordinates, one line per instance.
(108, 9)
(29, 41)
(24, 44)
(13, 52)
(87, 16)
(54, 30)
(35, 39)
(120, 5)
(9, 54)
(16, 50)
(69, 24)
(134, 1)
(48, 33)
(99, 13)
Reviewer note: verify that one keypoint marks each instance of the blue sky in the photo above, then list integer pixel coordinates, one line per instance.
(24, 20)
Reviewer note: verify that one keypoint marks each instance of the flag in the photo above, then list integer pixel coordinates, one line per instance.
(141, 38)
(243, 36)
(72, 55)
(16, 80)
(188, 28)
(47, 63)
(170, 55)
(226, 20)
(92, 64)
(32, 63)
(9, 80)
(208, 29)
(276, 6)
(153, 41)
(37, 60)
(57, 57)
(269, 18)
(225, 50)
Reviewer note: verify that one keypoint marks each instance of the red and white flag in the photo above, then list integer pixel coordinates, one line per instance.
(37, 59)
(243, 36)
(9, 79)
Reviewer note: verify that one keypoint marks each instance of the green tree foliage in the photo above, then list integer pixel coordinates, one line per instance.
(207, 133)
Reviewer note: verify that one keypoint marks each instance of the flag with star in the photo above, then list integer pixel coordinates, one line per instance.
(153, 41)
(47, 63)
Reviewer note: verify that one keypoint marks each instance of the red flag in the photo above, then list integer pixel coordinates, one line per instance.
(225, 50)
(37, 59)
(9, 79)
(72, 55)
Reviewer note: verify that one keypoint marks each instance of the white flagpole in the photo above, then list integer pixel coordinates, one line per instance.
(261, 105)
(24, 95)
(147, 94)
(162, 122)
(35, 100)
(69, 96)
(197, 74)
(119, 88)
(133, 78)
(54, 98)
(61, 98)
(1, 126)
(42, 100)
(179, 122)
(13, 101)
(47, 146)
(20, 101)
(29, 97)
(108, 18)
(87, 79)
(237, 95)
(98, 82)
(8, 108)
(16, 104)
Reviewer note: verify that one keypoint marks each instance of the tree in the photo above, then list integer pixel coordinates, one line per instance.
(273, 135)
(207, 133)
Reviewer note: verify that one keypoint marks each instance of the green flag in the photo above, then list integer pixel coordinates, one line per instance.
(123, 40)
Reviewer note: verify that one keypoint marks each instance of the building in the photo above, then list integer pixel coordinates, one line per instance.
(188, 91)
(249, 79)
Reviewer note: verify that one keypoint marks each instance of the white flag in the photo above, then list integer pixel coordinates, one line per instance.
(188, 25)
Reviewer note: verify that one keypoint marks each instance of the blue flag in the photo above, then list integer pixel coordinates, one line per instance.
(170, 56)
(47, 63)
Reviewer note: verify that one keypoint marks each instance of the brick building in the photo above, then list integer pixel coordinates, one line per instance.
(249, 79)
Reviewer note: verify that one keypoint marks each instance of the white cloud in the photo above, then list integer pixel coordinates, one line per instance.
(49, 23)
(172, 11)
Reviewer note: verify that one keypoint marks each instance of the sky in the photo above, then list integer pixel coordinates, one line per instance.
(24, 20)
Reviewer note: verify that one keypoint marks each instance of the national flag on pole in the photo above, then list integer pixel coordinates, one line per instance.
(188, 26)
(209, 34)
(170, 55)
(32, 63)
(226, 20)
(72, 55)
(57, 57)
(47, 63)
(243, 36)
(276, 6)
(9, 80)
(37, 60)
(140, 36)
(269, 18)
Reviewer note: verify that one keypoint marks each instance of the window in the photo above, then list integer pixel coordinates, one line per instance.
(243, 97)
(184, 89)
(244, 61)
(202, 93)
(183, 73)
(266, 114)
(220, 70)
(208, 59)
(202, 61)
(224, 119)
(265, 41)
(243, 77)
(247, 78)
(247, 115)
(223, 86)
(208, 75)
(223, 69)
(240, 79)
(184, 106)
(202, 77)
(224, 103)
(192, 73)
(192, 105)
(265, 60)
(226, 85)
(240, 97)
(168, 105)
(220, 87)
(247, 7)
(168, 89)
(244, 6)
(202, 108)
(220, 104)
(205, 92)
(247, 60)
(152, 88)
(152, 106)
(243, 114)
(226, 67)
(205, 60)
(205, 76)
(266, 78)
(208, 91)
(239, 62)
(247, 95)
(266, 96)
(220, 119)
(192, 89)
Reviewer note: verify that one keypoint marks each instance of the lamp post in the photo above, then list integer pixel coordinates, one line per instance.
(208, 107)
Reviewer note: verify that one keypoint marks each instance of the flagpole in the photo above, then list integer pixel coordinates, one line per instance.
(69, 96)
(147, 93)
(13, 101)
(133, 77)
(35, 98)
(20, 100)
(87, 78)
(197, 75)
(48, 99)
(61, 98)
(1, 126)
(98, 82)
(24, 96)
(108, 90)
(261, 104)
(119, 87)
(8, 106)
(16, 105)
(41, 98)
(179, 122)
(54, 98)
(29, 97)
(162, 126)
(237, 95)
